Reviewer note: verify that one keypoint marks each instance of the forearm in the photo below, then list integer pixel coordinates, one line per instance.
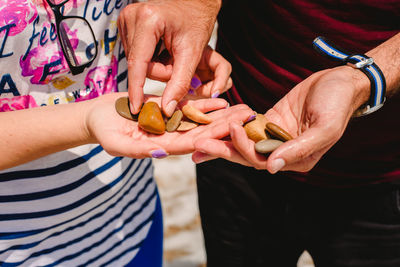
(33, 133)
(387, 57)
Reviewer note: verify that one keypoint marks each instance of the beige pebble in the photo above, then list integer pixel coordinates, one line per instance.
(267, 145)
(174, 121)
(196, 115)
(186, 126)
(151, 119)
(255, 129)
(277, 132)
(122, 108)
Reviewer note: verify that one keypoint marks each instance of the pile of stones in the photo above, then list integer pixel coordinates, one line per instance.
(151, 119)
(266, 135)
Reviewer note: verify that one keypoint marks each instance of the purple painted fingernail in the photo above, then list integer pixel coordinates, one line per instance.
(251, 118)
(215, 95)
(195, 83)
(158, 154)
(191, 92)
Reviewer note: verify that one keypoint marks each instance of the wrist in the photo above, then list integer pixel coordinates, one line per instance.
(87, 109)
(362, 63)
(361, 85)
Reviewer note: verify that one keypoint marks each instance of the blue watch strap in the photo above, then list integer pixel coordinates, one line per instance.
(363, 63)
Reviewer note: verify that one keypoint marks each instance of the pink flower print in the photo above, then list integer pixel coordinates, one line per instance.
(18, 12)
(101, 80)
(17, 103)
(45, 62)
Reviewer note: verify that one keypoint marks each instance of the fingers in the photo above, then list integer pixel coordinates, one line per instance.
(139, 56)
(303, 152)
(210, 149)
(219, 128)
(185, 62)
(245, 146)
(206, 105)
(222, 70)
(129, 147)
(199, 157)
(159, 71)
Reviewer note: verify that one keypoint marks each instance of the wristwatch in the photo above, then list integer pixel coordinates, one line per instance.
(366, 65)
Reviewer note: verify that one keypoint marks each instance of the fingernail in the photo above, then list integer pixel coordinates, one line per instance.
(191, 92)
(251, 118)
(132, 108)
(228, 105)
(158, 154)
(171, 107)
(277, 165)
(215, 95)
(195, 83)
(200, 159)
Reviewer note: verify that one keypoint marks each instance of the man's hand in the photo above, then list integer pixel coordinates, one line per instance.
(315, 112)
(184, 27)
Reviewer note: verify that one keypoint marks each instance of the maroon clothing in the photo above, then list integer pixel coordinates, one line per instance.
(269, 44)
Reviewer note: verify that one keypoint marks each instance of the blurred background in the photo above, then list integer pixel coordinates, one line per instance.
(176, 179)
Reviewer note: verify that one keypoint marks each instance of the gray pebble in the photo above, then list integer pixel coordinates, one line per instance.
(267, 145)
(122, 107)
(174, 121)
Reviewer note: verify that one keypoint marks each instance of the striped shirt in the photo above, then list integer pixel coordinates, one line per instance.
(79, 207)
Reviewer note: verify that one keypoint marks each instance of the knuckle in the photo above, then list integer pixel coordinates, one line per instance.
(127, 11)
(241, 106)
(229, 66)
(148, 12)
(301, 153)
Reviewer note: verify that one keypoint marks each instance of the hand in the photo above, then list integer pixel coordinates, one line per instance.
(315, 112)
(185, 28)
(122, 137)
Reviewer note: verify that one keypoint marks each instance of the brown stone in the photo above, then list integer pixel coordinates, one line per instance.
(267, 145)
(277, 132)
(186, 126)
(122, 107)
(151, 119)
(255, 129)
(174, 121)
(196, 115)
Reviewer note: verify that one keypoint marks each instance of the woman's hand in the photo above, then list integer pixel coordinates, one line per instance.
(122, 137)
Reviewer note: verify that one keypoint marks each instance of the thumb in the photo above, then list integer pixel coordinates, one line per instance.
(302, 149)
(184, 67)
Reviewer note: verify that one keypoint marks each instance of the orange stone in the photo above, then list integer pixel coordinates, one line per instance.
(255, 129)
(151, 119)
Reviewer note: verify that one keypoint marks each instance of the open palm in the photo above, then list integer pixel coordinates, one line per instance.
(315, 112)
(122, 137)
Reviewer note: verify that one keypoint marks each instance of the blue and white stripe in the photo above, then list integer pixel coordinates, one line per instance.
(89, 210)
(366, 65)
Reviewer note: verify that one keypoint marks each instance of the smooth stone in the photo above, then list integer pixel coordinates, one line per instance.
(122, 107)
(267, 145)
(186, 126)
(196, 115)
(151, 119)
(174, 121)
(255, 129)
(277, 132)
